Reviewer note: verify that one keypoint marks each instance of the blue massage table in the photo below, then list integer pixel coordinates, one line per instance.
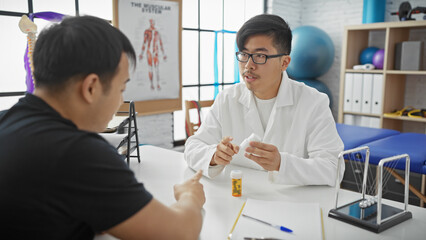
(385, 143)
(355, 136)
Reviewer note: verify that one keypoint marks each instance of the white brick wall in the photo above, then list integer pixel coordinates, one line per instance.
(331, 16)
(289, 10)
(156, 130)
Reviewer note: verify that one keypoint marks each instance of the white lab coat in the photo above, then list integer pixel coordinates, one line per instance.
(301, 126)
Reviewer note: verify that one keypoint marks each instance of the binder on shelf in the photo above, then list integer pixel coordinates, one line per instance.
(357, 120)
(365, 121)
(357, 92)
(375, 122)
(349, 79)
(367, 87)
(349, 119)
(377, 96)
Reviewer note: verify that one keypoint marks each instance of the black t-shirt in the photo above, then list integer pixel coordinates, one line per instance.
(58, 182)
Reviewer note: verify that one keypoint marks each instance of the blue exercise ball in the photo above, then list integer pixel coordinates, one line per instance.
(318, 85)
(367, 54)
(312, 53)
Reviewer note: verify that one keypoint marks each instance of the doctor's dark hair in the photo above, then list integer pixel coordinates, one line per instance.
(269, 25)
(77, 47)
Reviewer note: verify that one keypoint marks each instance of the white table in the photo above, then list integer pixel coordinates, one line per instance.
(160, 169)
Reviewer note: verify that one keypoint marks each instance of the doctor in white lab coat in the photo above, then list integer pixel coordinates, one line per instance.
(298, 141)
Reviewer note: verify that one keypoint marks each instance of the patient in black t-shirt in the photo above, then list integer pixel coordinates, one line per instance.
(58, 178)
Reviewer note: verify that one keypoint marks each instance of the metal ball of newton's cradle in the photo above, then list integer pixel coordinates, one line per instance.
(370, 212)
(368, 202)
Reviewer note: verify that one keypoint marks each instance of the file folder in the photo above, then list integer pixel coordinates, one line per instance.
(375, 122)
(349, 80)
(377, 96)
(365, 121)
(367, 89)
(357, 92)
(357, 120)
(349, 119)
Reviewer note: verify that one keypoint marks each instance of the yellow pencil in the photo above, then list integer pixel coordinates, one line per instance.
(235, 223)
(322, 226)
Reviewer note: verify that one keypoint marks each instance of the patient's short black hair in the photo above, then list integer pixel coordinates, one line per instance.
(269, 25)
(76, 47)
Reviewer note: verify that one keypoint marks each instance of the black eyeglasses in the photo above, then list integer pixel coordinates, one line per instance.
(257, 58)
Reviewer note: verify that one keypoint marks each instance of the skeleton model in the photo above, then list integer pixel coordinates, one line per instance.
(30, 28)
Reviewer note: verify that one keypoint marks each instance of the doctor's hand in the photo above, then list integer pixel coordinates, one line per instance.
(224, 152)
(266, 155)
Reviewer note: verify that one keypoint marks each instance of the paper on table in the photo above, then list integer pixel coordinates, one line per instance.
(303, 218)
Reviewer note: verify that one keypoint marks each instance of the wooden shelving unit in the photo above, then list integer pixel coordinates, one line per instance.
(355, 39)
(404, 118)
